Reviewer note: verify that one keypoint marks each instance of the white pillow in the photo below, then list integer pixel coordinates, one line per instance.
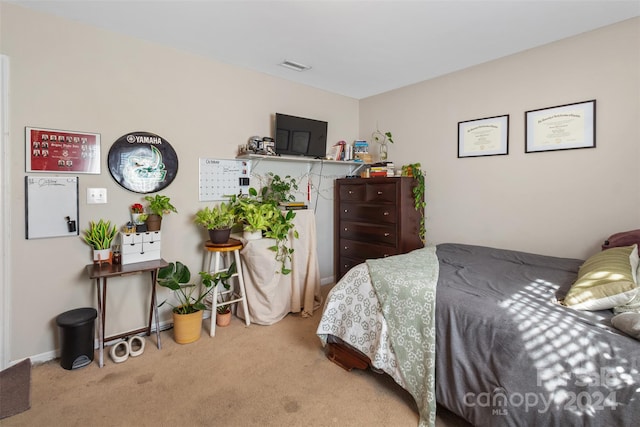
(629, 323)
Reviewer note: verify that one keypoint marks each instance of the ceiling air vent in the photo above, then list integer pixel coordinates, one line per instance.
(296, 66)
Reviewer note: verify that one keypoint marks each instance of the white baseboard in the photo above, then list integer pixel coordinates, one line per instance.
(50, 355)
(327, 280)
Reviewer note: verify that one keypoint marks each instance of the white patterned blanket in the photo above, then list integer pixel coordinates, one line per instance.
(406, 289)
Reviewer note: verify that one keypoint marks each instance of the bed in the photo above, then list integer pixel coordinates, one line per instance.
(506, 352)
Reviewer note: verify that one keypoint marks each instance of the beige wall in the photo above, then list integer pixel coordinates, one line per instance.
(68, 76)
(65, 75)
(562, 203)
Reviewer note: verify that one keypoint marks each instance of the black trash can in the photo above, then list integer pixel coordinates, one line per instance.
(76, 337)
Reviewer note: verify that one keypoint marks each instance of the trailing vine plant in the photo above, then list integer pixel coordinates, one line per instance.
(414, 171)
(279, 189)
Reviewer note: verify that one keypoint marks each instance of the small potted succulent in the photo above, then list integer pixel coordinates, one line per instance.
(159, 206)
(99, 236)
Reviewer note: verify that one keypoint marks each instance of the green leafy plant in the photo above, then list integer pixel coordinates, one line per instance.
(223, 309)
(160, 205)
(176, 276)
(414, 171)
(256, 214)
(216, 218)
(278, 189)
(100, 234)
(252, 212)
(279, 230)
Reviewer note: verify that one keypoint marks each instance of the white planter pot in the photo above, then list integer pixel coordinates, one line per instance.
(102, 255)
(252, 235)
(135, 218)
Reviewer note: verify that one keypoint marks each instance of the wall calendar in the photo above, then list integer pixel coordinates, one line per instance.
(220, 179)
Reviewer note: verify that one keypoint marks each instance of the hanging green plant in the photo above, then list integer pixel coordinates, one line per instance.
(413, 170)
(278, 190)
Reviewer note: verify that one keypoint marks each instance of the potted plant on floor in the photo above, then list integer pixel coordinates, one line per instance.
(99, 236)
(187, 313)
(159, 206)
(218, 220)
(223, 315)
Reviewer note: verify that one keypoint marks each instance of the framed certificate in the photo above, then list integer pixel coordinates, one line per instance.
(62, 151)
(565, 127)
(484, 137)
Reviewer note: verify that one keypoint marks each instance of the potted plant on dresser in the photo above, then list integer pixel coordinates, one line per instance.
(99, 236)
(159, 206)
(218, 220)
(187, 313)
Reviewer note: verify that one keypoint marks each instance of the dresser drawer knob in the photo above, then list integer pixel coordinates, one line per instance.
(379, 193)
(346, 229)
(346, 248)
(346, 210)
(386, 214)
(385, 255)
(386, 234)
(350, 191)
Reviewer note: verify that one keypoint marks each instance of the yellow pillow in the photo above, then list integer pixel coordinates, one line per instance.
(605, 280)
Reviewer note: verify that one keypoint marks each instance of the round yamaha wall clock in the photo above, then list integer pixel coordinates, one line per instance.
(142, 162)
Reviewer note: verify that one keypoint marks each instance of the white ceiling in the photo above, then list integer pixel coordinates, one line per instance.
(355, 48)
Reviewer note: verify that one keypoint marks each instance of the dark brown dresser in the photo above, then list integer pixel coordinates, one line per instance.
(374, 218)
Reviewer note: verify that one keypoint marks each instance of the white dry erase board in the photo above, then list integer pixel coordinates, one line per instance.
(221, 178)
(51, 206)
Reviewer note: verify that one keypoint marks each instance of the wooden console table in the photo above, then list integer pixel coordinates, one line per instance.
(101, 272)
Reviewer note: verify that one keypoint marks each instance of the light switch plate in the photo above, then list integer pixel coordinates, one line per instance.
(96, 195)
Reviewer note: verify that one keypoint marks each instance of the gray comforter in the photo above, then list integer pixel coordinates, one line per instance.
(509, 355)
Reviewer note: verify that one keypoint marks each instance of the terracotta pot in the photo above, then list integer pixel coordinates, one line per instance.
(187, 327)
(223, 319)
(153, 222)
(220, 236)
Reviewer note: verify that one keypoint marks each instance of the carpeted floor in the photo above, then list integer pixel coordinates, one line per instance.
(15, 387)
(245, 376)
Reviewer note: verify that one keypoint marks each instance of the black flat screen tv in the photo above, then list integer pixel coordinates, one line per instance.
(297, 136)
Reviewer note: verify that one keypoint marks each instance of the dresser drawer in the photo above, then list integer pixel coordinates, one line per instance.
(151, 236)
(353, 192)
(363, 250)
(383, 193)
(346, 264)
(368, 213)
(369, 232)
